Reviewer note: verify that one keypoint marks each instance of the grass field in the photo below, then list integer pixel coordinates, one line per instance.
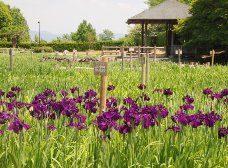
(139, 145)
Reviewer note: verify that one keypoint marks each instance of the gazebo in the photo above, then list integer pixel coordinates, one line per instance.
(166, 13)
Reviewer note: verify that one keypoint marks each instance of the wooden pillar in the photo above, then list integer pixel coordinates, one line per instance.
(213, 57)
(147, 66)
(131, 60)
(155, 53)
(179, 56)
(142, 33)
(14, 42)
(122, 56)
(166, 39)
(146, 33)
(143, 62)
(172, 42)
(104, 79)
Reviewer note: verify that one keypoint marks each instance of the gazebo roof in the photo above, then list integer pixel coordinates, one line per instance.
(167, 12)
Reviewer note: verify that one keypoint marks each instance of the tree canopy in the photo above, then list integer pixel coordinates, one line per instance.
(208, 25)
(106, 35)
(5, 16)
(84, 33)
(13, 22)
(156, 2)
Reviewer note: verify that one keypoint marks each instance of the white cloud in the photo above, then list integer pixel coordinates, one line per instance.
(63, 16)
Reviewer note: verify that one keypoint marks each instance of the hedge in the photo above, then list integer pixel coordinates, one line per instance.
(61, 46)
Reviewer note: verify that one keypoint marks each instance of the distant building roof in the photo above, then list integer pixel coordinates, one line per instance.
(167, 12)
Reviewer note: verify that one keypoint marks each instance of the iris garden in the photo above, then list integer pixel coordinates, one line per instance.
(49, 115)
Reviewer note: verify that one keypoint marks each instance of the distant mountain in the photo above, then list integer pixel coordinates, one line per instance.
(45, 35)
(48, 36)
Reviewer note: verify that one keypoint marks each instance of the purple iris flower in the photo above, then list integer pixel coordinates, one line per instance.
(74, 89)
(4, 117)
(164, 112)
(51, 127)
(145, 97)
(79, 99)
(181, 118)
(108, 119)
(207, 91)
(2, 93)
(90, 106)
(222, 132)
(16, 89)
(129, 101)
(216, 96)
(142, 86)
(168, 92)
(48, 93)
(111, 87)
(125, 129)
(224, 92)
(64, 93)
(90, 94)
(111, 102)
(174, 129)
(82, 119)
(211, 118)
(1, 132)
(226, 101)
(17, 125)
(187, 107)
(146, 121)
(196, 120)
(77, 125)
(188, 99)
(10, 94)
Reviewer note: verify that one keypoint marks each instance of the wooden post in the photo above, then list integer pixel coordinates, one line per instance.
(14, 42)
(213, 57)
(155, 53)
(179, 57)
(122, 56)
(143, 69)
(139, 51)
(131, 60)
(75, 54)
(103, 88)
(11, 53)
(147, 66)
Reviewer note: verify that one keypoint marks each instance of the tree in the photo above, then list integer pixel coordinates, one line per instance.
(84, 33)
(155, 36)
(65, 37)
(106, 35)
(5, 16)
(19, 24)
(156, 2)
(208, 26)
(13, 24)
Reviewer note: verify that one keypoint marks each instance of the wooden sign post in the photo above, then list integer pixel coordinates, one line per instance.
(131, 49)
(122, 56)
(212, 57)
(75, 53)
(179, 53)
(101, 68)
(11, 54)
(143, 62)
(147, 66)
(155, 53)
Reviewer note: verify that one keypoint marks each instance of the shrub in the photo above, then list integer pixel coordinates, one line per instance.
(42, 49)
(61, 46)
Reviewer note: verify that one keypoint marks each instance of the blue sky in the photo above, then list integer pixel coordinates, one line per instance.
(63, 16)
